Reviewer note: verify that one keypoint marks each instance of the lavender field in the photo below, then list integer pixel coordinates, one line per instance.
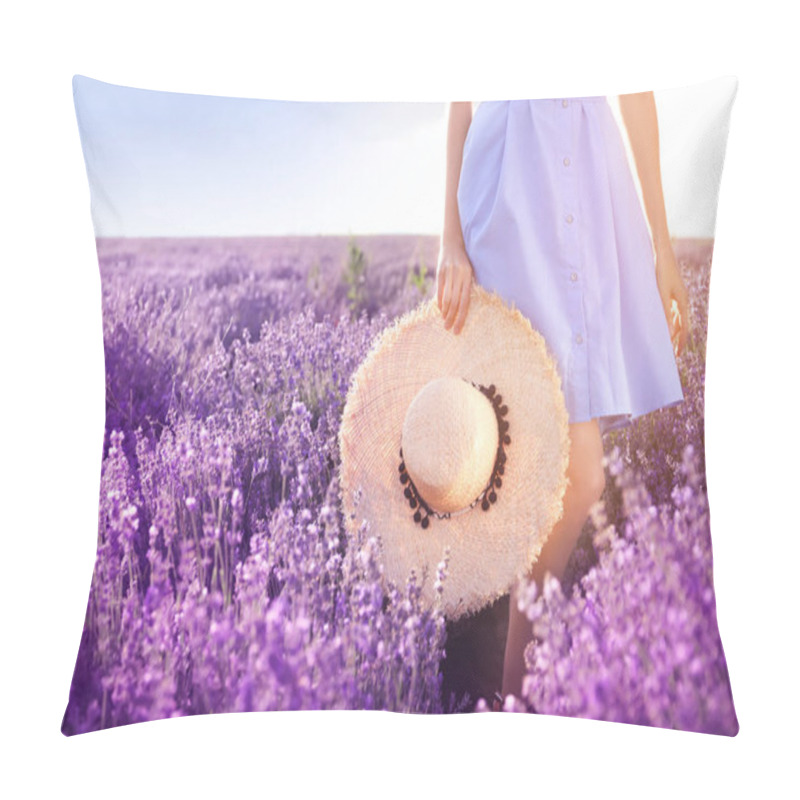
(224, 580)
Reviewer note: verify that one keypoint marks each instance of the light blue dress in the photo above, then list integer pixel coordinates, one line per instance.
(553, 223)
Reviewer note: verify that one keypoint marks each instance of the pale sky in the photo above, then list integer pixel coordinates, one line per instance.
(169, 164)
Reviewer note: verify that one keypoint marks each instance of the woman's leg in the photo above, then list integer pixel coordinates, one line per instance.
(586, 483)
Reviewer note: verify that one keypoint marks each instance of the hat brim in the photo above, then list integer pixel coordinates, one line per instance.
(489, 549)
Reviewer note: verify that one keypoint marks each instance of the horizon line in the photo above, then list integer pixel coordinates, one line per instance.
(311, 236)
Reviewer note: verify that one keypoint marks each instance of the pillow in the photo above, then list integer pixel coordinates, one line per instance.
(251, 253)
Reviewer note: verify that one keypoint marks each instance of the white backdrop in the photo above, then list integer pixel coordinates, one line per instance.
(53, 381)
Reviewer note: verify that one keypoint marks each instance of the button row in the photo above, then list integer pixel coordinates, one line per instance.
(570, 219)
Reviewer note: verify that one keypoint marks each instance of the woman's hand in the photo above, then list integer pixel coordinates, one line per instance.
(673, 296)
(454, 276)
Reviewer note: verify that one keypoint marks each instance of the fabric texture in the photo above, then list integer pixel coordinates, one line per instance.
(552, 221)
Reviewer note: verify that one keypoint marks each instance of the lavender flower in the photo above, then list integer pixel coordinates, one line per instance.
(224, 580)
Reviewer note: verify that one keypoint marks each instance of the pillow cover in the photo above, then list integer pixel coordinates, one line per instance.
(238, 305)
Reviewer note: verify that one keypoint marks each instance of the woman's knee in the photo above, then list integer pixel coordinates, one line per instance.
(596, 482)
(588, 484)
(586, 471)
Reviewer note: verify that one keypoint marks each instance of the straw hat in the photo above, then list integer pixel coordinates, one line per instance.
(456, 441)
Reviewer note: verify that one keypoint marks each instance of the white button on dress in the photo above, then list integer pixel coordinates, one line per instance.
(595, 275)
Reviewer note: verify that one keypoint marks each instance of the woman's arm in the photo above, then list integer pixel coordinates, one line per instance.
(454, 272)
(459, 120)
(639, 114)
(641, 122)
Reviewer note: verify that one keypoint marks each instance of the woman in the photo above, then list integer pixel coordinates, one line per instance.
(541, 207)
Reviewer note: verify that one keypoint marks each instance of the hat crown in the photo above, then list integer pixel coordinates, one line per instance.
(449, 442)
